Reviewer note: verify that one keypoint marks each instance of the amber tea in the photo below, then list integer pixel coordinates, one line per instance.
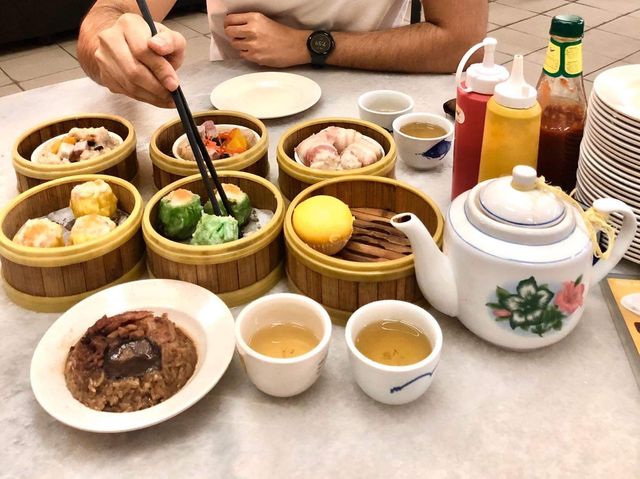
(283, 340)
(393, 342)
(420, 129)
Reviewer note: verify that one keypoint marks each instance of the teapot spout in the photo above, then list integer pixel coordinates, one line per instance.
(433, 269)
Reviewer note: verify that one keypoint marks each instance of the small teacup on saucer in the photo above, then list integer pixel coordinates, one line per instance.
(422, 153)
(393, 384)
(383, 106)
(288, 376)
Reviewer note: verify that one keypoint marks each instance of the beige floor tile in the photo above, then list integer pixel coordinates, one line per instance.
(195, 21)
(537, 26)
(183, 29)
(531, 71)
(197, 50)
(635, 58)
(609, 44)
(22, 50)
(53, 78)
(588, 86)
(492, 26)
(619, 6)
(9, 89)
(512, 41)
(71, 47)
(38, 64)
(535, 5)
(502, 58)
(4, 79)
(635, 14)
(627, 26)
(592, 76)
(592, 16)
(504, 15)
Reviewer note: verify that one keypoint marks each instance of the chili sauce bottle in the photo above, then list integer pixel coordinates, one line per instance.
(473, 93)
(511, 126)
(562, 99)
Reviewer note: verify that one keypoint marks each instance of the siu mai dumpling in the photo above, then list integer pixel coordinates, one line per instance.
(40, 233)
(89, 227)
(93, 197)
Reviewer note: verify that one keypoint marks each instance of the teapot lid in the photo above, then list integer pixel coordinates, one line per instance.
(515, 209)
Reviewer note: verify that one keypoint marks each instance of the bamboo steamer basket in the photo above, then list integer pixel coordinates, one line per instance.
(294, 177)
(238, 271)
(121, 162)
(54, 279)
(342, 286)
(167, 168)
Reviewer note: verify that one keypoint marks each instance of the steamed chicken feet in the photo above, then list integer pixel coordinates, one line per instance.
(336, 148)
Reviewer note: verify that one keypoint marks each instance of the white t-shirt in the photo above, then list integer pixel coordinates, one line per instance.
(331, 15)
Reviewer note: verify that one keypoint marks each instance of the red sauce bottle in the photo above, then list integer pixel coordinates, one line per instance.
(564, 105)
(473, 93)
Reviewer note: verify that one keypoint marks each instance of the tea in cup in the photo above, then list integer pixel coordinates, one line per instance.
(394, 350)
(423, 139)
(283, 342)
(383, 106)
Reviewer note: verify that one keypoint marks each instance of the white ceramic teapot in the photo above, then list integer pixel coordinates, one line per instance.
(517, 261)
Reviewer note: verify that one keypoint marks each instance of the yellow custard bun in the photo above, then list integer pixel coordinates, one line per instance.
(324, 223)
(40, 233)
(89, 227)
(93, 197)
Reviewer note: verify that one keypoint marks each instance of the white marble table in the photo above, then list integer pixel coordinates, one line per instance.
(571, 410)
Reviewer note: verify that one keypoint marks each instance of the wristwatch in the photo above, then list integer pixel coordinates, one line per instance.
(320, 44)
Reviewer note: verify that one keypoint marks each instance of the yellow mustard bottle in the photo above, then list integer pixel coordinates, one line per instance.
(511, 127)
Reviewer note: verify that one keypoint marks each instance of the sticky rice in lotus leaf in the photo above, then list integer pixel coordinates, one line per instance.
(215, 230)
(239, 200)
(90, 227)
(93, 197)
(179, 213)
(40, 233)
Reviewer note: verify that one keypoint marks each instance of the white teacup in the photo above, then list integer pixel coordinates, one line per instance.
(383, 106)
(422, 153)
(393, 384)
(283, 377)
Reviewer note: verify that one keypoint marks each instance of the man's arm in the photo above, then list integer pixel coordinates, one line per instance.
(116, 49)
(436, 45)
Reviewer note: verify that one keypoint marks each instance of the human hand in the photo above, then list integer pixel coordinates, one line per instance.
(266, 42)
(132, 62)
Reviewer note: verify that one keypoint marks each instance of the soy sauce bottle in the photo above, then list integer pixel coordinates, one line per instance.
(563, 102)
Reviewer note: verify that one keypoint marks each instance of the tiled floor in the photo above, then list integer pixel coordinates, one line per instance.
(521, 26)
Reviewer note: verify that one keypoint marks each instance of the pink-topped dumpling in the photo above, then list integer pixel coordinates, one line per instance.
(337, 148)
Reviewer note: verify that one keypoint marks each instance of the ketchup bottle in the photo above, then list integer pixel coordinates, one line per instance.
(474, 91)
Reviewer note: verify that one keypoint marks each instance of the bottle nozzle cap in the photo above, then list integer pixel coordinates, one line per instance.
(516, 92)
(483, 77)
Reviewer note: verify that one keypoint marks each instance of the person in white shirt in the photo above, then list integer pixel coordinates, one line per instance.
(116, 49)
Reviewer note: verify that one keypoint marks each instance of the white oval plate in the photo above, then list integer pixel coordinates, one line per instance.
(42, 146)
(222, 129)
(619, 88)
(266, 95)
(198, 312)
(367, 138)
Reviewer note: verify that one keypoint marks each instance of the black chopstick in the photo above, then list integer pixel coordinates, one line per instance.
(197, 145)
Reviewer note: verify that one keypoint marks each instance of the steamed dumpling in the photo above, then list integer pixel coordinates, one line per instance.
(179, 213)
(40, 233)
(93, 197)
(89, 227)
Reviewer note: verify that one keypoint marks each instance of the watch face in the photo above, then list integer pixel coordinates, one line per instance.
(320, 43)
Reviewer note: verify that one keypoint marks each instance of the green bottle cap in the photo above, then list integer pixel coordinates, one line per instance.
(568, 26)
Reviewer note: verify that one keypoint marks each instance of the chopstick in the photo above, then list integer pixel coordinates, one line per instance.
(197, 145)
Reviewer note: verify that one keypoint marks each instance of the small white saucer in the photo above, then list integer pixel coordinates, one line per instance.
(196, 311)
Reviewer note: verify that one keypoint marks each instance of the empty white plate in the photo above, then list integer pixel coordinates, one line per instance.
(267, 95)
(619, 88)
(199, 313)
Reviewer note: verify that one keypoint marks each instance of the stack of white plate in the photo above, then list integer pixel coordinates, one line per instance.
(609, 163)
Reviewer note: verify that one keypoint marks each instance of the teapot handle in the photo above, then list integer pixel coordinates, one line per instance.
(623, 240)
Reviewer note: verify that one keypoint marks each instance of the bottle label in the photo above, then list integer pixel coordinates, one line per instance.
(563, 59)
(459, 114)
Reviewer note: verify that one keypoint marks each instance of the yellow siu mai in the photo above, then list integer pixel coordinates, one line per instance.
(93, 197)
(40, 233)
(90, 227)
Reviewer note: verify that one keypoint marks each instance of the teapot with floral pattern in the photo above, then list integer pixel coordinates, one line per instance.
(517, 260)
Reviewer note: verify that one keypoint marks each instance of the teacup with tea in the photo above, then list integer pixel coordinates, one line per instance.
(383, 106)
(283, 342)
(423, 139)
(394, 349)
